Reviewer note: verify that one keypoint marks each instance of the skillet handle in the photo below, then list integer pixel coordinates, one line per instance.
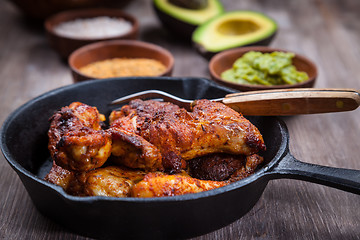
(281, 102)
(340, 178)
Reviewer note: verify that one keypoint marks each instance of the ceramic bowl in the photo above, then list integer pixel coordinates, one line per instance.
(66, 45)
(118, 49)
(225, 60)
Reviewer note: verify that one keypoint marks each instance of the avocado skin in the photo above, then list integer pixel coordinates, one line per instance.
(209, 54)
(178, 28)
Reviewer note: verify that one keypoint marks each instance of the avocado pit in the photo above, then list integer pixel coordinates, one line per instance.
(237, 27)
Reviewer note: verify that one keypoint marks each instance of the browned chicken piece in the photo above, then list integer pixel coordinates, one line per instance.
(134, 151)
(162, 185)
(252, 162)
(215, 167)
(115, 181)
(111, 181)
(220, 167)
(60, 176)
(180, 135)
(76, 140)
(144, 110)
(217, 113)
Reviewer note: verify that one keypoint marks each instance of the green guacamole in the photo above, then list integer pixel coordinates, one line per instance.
(265, 69)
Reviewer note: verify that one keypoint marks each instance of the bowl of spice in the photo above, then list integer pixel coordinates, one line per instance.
(261, 68)
(120, 58)
(69, 30)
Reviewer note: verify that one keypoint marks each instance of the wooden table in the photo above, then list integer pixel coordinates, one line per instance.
(328, 32)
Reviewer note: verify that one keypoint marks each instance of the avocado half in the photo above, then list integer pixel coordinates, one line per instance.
(233, 29)
(183, 21)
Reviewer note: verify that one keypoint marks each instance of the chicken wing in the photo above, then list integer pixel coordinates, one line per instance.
(134, 151)
(180, 135)
(76, 140)
(161, 185)
(111, 181)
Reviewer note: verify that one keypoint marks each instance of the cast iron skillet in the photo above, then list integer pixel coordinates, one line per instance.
(24, 145)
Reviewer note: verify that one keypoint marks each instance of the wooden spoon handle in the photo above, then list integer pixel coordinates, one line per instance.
(293, 101)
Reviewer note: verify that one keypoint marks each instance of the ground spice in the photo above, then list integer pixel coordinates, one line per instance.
(123, 67)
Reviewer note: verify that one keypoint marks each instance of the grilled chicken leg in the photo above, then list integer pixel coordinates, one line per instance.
(180, 135)
(111, 181)
(162, 185)
(76, 140)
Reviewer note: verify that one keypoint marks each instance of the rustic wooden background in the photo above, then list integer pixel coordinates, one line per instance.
(327, 31)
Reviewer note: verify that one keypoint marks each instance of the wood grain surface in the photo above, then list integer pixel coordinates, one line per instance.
(326, 31)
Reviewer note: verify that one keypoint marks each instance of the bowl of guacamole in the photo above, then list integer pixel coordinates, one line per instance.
(259, 68)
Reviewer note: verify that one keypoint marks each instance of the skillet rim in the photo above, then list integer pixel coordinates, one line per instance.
(281, 151)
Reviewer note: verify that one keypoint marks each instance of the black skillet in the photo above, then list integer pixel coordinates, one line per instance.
(24, 145)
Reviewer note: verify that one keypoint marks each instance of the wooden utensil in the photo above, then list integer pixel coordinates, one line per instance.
(293, 101)
(280, 102)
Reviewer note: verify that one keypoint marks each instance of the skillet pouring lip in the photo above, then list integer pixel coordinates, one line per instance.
(34, 184)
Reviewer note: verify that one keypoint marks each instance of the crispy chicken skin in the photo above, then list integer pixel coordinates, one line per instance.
(134, 151)
(111, 181)
(125, 134)
(162, 185)
(76, 140)
(180, 135)
(238, 129)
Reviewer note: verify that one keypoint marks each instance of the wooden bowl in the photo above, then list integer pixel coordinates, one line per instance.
(40, 9)
(118, 49)
(225, 60)
(66, 45)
